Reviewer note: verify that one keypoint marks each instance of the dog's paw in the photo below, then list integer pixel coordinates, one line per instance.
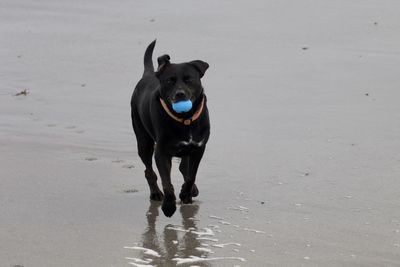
(168, 207)
(186, 197)
(156, 195)
(195, 191)
(186, 194)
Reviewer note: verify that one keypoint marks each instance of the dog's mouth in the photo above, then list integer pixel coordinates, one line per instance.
(183, 102)
(180, 101)
(182, 106)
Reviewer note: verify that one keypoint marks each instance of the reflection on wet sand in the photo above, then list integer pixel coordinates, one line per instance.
(174, 244)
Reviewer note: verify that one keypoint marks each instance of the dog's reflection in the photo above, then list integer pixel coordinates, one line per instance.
(173, 242)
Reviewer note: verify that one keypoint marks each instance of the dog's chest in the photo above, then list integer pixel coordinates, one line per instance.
(191, 142)
(188, 144)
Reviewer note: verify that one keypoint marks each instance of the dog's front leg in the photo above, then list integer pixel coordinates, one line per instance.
(164, 168)
(187, 191)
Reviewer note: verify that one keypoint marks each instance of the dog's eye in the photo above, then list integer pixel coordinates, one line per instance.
(188, 79)
(171, 80)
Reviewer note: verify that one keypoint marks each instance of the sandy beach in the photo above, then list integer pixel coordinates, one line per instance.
(303, 163)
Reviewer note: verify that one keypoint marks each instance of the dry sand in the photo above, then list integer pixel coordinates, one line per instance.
(303, 164)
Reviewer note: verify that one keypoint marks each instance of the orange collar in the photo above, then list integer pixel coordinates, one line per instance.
(186, 122)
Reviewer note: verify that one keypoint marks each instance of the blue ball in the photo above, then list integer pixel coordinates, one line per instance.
(182, 106)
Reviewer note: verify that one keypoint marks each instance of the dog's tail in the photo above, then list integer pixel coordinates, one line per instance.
(148, 58)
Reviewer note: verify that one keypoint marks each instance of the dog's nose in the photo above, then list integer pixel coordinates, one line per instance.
(180, 95)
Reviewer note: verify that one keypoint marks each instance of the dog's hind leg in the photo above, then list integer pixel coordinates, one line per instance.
(184, 169)
(193, 162)
(145, 147)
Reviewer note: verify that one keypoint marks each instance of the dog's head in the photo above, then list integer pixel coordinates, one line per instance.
(180, 82)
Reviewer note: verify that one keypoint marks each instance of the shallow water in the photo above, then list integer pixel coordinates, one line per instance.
(303, 162)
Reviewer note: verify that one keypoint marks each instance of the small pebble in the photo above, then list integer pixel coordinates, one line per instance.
(130, 191)
(128, 166)
(23, 92)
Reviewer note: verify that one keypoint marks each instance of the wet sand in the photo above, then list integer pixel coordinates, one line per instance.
(303, 164)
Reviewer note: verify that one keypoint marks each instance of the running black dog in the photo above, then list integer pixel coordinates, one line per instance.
(167, 132)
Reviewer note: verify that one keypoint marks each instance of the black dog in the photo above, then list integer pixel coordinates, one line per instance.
(160, 129)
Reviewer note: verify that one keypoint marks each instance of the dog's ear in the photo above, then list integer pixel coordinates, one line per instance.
(163, 61)
(200, 65)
